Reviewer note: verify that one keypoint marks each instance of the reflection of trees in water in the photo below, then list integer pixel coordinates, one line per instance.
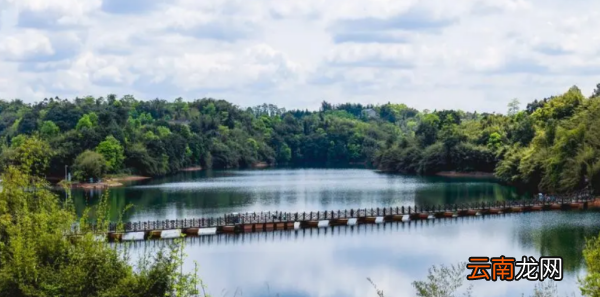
(564, 241)
(465, 192)
(155, 200)
(90, 198)
(211, 202)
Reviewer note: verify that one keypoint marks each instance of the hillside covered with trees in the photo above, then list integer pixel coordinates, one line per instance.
(554, 144)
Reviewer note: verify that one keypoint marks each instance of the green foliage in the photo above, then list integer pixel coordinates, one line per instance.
(560, 107)
(159, 137)
(49, 129)
(93, 118)
(513, 107)
(554, 144)
(18, 140)
(562, 171)
(590, 284)
(522, 131)
(146, 118)
(593, 174)
(443, 282)
(113, 153)
(494, 141)
(90, 164)
(434, 159)
(46, 251)
(508, 169)
(84, 123)
(428, 129)
(30, 154)
(404, 160)
(163, 131)
(468, 157)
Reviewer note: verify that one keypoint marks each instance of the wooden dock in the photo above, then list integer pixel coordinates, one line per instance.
(273, 221)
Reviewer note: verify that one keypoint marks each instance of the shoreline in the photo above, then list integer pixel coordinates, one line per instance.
(189, 169)
(118, 181)
(102, 185)
(465, 174)
(260, 165)
(127, 178)
(109, 182)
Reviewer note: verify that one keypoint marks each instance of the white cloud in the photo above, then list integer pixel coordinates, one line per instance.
(25, 45)
(50, 13)
(435, 54)
(370, 55)
(258, 65)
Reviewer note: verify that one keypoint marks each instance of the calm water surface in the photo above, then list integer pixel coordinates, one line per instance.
(337, 261)
(210, 193)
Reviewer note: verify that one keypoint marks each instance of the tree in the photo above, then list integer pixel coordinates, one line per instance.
(41, 254)
(90, 164)
(560, 107)
(524, 148)
(449, 134)
(443, 282)
(523, 131)
(18, 140)
(49, 129)
(163, 131)
(93, 118)
(596, 92)
(84, 122)
(285, 153)
(27, 124)
(494, 141)
(112, 151)
(30, 154)
(326, 106)
(139, 159)
(590, 284)
(427, 129)
(513, 107)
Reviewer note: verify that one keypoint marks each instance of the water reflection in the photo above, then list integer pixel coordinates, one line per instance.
(336, 261)
(210, 193)
(562, 234)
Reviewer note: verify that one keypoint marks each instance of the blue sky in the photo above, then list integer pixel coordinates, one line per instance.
(467, 54)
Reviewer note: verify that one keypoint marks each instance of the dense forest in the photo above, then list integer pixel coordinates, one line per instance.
(553, 145)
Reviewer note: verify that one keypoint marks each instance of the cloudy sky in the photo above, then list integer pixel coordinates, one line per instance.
(434, 54)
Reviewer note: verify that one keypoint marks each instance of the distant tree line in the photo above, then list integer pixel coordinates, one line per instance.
(553, 144)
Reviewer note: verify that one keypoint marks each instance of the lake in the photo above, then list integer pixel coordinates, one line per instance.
(337, 261)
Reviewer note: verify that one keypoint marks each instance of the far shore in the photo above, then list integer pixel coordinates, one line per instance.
(465, 174)
(118, 180)
(195, 168)
(108, 182)
(260, 165)
(126, 178)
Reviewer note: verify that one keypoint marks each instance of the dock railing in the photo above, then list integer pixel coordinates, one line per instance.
(266, 217)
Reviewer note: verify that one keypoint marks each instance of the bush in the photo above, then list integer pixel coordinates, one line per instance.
(42, 254)
(469, 157)
(90, 164)
(434, 159)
